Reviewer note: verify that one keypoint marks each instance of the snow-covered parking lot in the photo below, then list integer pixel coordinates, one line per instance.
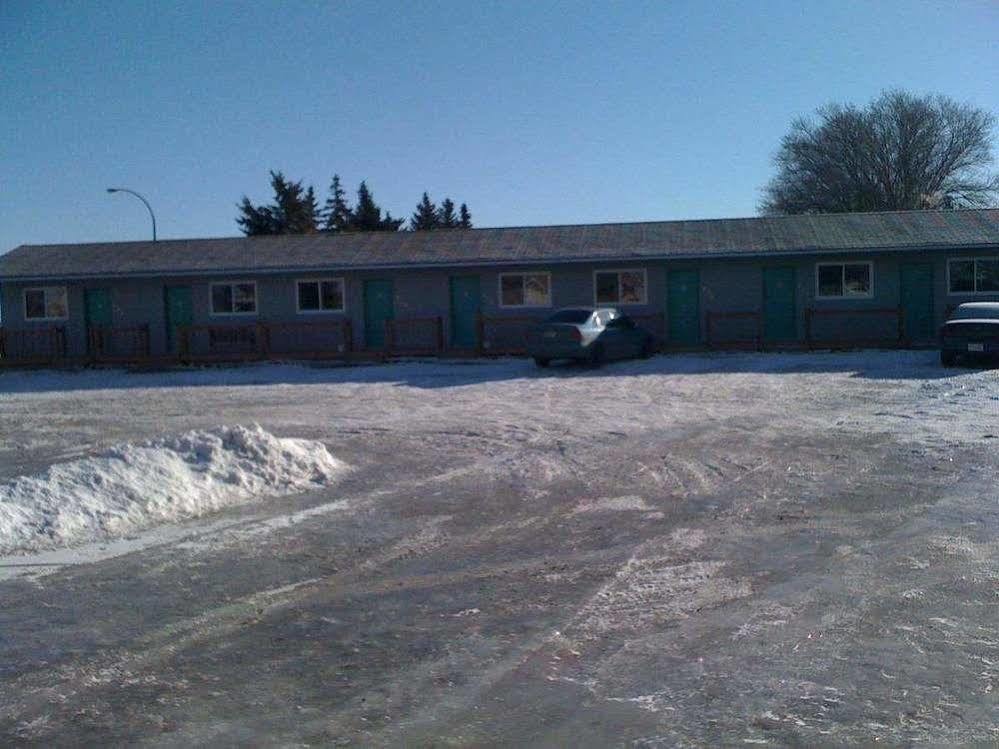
(690, 550)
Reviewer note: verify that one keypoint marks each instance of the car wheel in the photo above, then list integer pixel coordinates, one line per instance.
(542, 362)
(648, 348)
(948, 358)
(596, 357)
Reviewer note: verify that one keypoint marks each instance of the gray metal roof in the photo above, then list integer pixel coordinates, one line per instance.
(741, 237)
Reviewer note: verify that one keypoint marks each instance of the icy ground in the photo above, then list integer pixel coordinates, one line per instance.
(691, 550)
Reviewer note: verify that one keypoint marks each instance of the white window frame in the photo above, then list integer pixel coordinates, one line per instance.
(319, 281)
(619, 271)
(211, 299)
(974, 275)
(844, 296)
(44, 289)
(499, 289)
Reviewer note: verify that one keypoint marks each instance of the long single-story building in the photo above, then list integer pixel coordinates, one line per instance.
(883, 279)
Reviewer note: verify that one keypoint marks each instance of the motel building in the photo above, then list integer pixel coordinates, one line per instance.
(788, 282)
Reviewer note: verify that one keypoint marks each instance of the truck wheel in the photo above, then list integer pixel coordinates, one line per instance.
(948, 358)
(648, 349)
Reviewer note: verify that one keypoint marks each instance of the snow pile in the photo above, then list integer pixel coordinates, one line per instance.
(134, 486)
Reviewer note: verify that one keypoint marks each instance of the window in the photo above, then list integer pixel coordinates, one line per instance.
(844, 280)
(619, 286)
(234, 298)
(979, 275)
(525, 290)
(46, 303)
(321, 295)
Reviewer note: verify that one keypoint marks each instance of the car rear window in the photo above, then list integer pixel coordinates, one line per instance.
(575, 316)
(976, 313)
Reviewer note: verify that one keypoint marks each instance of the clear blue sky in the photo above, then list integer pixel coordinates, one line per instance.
(532, 112)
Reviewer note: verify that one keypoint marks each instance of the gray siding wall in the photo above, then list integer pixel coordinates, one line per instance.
(726, 286)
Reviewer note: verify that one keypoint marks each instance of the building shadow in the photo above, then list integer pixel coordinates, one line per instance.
(443, 373)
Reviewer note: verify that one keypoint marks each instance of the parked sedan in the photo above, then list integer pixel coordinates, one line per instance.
(588, 334)
(972, 331)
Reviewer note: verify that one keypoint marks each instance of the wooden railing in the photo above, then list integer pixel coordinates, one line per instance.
(29, 346)
(755, 340)
(503, 335)
(109, 344)
(414, 335)
(864, 336)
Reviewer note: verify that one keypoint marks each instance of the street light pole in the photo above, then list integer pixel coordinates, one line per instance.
(146, 202)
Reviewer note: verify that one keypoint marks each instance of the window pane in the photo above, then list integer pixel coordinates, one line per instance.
(512, 290)
(536, 290)
(221, 299)
(830, 280)
(962, 275)
(333, 295)
(308, 296)
(987, 274)
(633, 288)
(34, 303)
(857, 280)
(245, 297)
(55, 302)
(607, 288)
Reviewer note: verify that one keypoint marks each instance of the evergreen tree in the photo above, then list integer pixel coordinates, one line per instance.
(367, 216)
(254, 221)
(445, 216)
(425, 217)
(465, 217)
(293, 211)
(336, 212)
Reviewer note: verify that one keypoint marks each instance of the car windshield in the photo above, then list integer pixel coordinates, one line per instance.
(977, 313)
(575, 316)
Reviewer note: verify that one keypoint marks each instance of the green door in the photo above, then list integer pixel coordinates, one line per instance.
(465, 301)
(916, 296)
(379, 307)
(178, 312)
(97, 307)
(683, 306)
(779, 323)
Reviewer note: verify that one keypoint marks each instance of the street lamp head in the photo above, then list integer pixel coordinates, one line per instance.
(112, 189)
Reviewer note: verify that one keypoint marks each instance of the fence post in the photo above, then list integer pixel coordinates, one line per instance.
(808, 328)
(146, 348)
(480, 333)
(707, 331)
(901, 326)
(60, 342)
(348, 336)
(3, 344)
(759, 331)
(263, 340)
(184, 342)
(440, 334)
(389, 336)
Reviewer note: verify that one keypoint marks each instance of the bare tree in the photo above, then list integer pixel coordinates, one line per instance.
(903, 152)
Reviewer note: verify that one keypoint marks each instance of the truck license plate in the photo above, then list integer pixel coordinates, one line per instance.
(976, 347)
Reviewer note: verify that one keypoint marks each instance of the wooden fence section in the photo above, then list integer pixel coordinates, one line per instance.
(505, 336)
(416, 336)
(327, 339)
(106, 344)
(848, 328)
(308, 340)
(739, 330)
(32, 346)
